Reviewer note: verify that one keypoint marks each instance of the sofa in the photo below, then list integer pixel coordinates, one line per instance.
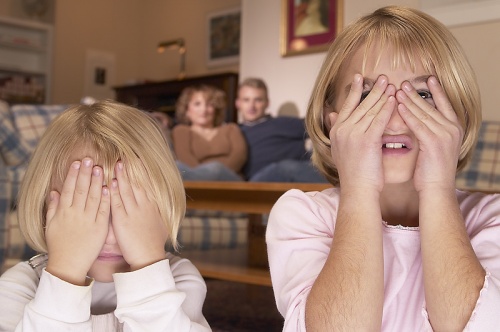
(21, 127)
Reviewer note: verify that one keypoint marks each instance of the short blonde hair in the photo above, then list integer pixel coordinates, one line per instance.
(255, 83)
(415, 37)
(110, 131)
(213, 95)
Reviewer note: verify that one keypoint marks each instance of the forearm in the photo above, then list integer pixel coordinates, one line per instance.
(237, 157)
(182, 147)
(453, 276)
(348, 293)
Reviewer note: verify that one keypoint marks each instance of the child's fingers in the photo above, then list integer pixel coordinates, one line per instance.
(95, 191)
(373, 102)
(69, 184)
(441, 99)
(124, 186)
(352, 100)
(117, 206)
(83, 184)
(104, 210)
(54, 198)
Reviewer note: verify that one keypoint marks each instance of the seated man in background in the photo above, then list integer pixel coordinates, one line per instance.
(276, 145)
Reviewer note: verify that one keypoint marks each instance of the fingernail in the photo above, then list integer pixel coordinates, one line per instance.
(76, 165)
(96, 171)
(433, 80)
(51, 196)
(114, 183)
(120, 165)
(357, 78)
(87, 162)
(381, 80)
(105, 191)
(407, 86)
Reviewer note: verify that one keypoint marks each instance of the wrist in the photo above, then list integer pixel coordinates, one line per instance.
(147, 260)
(66, 273)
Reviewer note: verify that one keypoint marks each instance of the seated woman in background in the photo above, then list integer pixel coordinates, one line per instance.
(207, 148)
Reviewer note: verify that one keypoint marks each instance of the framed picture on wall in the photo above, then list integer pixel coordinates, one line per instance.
(223, 28)
(308, 26)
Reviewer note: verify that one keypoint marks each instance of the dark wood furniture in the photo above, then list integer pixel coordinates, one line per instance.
(161, 96)
(255, 198)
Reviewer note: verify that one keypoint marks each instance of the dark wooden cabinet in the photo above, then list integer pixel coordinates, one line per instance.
(161, 96)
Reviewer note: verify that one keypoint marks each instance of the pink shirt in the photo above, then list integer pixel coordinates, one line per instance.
(299, 236)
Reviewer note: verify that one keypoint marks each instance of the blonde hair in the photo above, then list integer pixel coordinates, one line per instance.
(255, 83)
(214, 96)
(415, 37)
(110, 131)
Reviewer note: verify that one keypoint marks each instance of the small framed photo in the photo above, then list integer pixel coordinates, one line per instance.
(223, 29)
(308, 26)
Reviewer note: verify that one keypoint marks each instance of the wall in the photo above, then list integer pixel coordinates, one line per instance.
(130, 30)
(291, 79)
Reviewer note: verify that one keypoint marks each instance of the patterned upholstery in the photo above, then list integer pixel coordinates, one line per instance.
(483, 171)
(21, 126)
(206, 230)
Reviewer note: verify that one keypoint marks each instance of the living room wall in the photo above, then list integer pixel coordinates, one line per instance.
(291, 79)
(127, 32)
(131, 29)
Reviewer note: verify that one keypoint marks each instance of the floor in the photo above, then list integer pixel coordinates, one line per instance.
(237, 307)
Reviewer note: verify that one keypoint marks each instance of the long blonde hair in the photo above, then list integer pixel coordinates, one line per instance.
(110, 131)
(415, 37)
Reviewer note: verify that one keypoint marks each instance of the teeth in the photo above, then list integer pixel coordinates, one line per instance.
(394, 145)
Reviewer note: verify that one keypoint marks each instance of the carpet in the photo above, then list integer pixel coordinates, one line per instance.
(237, 307)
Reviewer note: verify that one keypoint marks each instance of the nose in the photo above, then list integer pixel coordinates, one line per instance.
(396, 123)
(110, 238)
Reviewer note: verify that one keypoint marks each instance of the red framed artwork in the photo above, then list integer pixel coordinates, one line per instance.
(308, 26)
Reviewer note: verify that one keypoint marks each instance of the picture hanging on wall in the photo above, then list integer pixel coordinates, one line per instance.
(223, 29)
(308, 26)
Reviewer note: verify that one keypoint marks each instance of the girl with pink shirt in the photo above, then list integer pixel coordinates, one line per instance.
(394, 246)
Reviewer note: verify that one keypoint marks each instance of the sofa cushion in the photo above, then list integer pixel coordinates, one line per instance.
(32, 120)
(13, 248)
(212, 230)
(13, 150)
(483, 171)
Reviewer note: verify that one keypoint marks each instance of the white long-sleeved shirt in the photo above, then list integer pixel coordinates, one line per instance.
(299, 235)
(165, 296)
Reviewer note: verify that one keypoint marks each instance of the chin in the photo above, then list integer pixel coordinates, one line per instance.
(394, 176)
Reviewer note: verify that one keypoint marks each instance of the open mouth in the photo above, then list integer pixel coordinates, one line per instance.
(394, 146)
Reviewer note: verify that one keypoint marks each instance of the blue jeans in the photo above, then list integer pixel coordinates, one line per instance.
(289, 171)
(210, 171)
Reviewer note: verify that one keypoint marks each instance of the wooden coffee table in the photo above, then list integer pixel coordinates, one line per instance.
(248, 265)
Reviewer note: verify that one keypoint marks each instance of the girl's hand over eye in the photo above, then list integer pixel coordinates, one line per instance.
(356, 135)
(77, 222)
(439, 134)
(137, 224)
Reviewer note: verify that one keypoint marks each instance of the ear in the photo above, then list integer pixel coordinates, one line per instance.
(329, 117)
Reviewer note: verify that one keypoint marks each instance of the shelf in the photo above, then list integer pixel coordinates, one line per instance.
(162, 96)
(25, 61)
(22, 47)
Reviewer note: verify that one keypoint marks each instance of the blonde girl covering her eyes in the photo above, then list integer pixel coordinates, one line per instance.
(101, 197)
(393, 246)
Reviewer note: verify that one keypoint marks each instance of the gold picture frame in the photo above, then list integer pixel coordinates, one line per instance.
(309, 26)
